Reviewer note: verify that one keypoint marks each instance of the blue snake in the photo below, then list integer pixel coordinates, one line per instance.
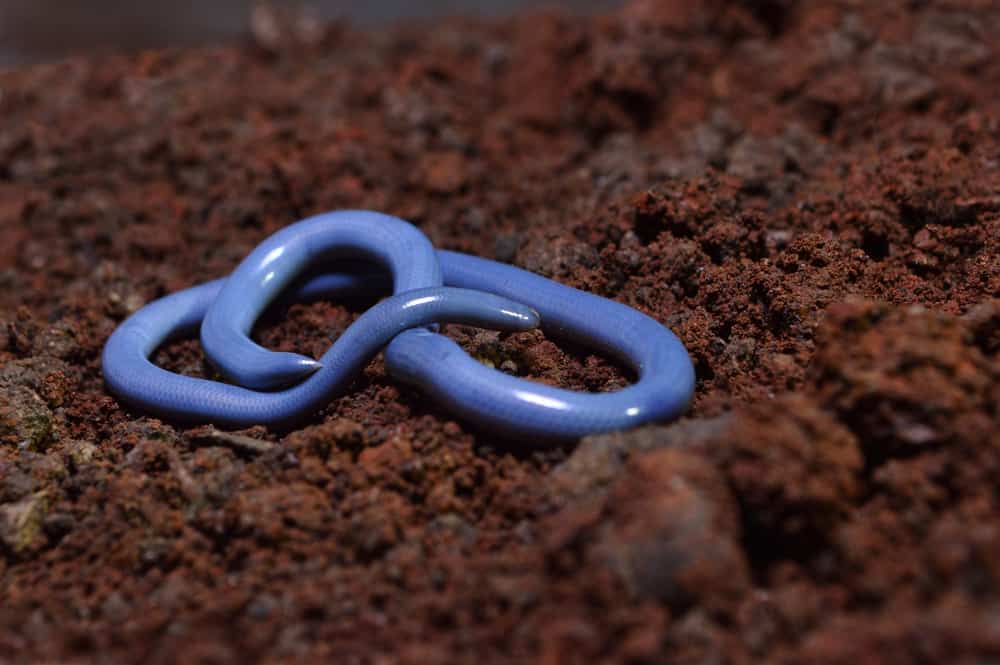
(430, 287)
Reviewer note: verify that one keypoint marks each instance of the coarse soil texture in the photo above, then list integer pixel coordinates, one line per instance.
(807, 193)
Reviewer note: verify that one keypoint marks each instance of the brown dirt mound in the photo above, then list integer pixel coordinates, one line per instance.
(806, 192)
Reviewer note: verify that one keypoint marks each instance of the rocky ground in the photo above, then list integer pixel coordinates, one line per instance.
(808, 193)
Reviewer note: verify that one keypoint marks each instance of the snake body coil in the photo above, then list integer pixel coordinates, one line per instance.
(477, 292)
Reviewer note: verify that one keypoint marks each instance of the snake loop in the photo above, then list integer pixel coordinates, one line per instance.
(478, 292)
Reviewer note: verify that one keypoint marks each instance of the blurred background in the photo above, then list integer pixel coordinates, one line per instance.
(39, 30)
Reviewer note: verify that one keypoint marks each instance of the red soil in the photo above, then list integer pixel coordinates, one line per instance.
(806, 192)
